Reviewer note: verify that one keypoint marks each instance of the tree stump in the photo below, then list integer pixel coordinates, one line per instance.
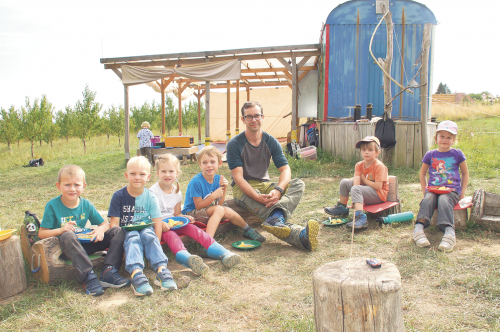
(12, 274)
(349, 295)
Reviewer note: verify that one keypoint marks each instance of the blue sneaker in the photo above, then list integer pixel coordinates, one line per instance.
(140, 284)
(164, 280)
(111, 278)
(91, 284)
(276, 227)
(252, 234)
(339, 210)
(360, 222)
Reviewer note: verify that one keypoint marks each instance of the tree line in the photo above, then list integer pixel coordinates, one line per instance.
(38, 121)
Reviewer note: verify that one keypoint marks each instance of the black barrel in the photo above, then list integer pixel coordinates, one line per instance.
(369, 109)
(357, 112)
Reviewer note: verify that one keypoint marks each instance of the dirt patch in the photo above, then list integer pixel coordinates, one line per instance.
(114, 301)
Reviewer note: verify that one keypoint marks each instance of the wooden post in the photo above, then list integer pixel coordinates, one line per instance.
(248, 93)
(228, 112)
(126, 140)
(295, 109)
(12, 274)
(199, 115)
(349, 295)
(386, 155)
(162, 88)
(403, 21)
(180, 107)
(207, 113)
(424, 80)
(237, 130)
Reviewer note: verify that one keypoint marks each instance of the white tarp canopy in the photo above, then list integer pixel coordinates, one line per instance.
(209, 71)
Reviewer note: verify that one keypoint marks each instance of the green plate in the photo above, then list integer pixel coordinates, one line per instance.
(327, 222)
(137, 227)
(254, 244)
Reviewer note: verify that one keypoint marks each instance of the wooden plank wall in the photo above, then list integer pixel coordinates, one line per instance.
(443, 97)
(339, 139)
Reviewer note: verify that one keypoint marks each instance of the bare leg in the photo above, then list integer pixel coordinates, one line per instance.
(344, 199)
(216, 213)
(234, 217)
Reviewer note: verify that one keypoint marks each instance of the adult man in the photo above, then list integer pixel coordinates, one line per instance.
(248, 156)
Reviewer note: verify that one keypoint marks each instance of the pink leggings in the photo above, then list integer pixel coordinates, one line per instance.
(175, 244)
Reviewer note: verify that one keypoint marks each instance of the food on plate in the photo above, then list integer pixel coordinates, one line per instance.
(245, 245)
(336, 221)
(173, 223)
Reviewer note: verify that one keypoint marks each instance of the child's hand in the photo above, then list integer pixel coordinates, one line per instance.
(98, 235)
(164, 227)
(218, 193)
(68, 227)
(362, 178)
(223, 182)
(191, 219)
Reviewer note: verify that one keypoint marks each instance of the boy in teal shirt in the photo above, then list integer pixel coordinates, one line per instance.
(66, 215)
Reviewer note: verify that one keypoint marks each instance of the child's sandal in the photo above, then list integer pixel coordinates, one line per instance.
(420, 239)
(447, 243)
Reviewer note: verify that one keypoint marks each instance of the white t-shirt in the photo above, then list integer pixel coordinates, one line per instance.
(167, 202)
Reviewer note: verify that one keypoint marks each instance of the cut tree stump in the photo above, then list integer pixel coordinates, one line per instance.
(12, 274)
(349, 295)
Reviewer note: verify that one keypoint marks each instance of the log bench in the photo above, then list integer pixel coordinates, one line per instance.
(486, 209)
(44, 255)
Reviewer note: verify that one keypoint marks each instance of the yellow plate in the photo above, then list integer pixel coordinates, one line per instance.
(4, 235)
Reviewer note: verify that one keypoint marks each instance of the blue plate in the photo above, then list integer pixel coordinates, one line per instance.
(184, 220)
(83, 236)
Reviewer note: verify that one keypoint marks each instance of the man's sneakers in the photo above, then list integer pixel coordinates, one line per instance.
(91, 284)
(276, 227)
(252, 234)
(360, 221)
(309, 235)
(339, 210)
(140, 284)
(164, 280)
(111, 278)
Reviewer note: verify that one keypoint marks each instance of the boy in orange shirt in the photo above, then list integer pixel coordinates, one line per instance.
(369, 185)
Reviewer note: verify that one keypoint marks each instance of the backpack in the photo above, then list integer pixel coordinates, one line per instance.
(293, 149)
(313, 136)
(35, 163)
(32, 225)
(385, 131)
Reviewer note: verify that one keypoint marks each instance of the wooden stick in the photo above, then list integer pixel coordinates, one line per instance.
(352, 234)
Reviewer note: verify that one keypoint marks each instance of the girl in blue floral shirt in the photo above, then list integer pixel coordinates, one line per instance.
(145, 135)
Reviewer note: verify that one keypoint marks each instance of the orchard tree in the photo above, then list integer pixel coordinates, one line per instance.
(116, 116)
(65, 122)
(9, 125)
(171, 115)
(50, 133)
(86, 116)
(34, 119)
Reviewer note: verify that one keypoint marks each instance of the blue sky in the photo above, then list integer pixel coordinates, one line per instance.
(54, 47)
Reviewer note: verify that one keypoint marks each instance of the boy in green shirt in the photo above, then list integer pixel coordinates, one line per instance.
(66, 215)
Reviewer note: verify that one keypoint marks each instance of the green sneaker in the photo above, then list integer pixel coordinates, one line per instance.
(274, 226)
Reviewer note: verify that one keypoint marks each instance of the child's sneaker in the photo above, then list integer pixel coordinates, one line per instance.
(91, 284)
(276, 227)
(111, 278)
(252, 234)
(360, 222)
(140, 285)
(339, 210)
(164, 280)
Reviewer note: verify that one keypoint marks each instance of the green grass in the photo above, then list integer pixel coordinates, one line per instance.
(272, 289)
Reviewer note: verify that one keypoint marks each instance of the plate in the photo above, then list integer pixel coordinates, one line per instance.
(436, 190)
(184, 220)
(138, 226)
(327, 222)
(84, 237)
(4, 235)
(254, 244)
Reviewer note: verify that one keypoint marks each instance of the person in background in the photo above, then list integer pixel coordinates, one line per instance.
(145, 136)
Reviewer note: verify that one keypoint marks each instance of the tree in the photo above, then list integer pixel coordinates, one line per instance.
(9, 125)
(86, 116)
(34, 119)
(443, 89)
(50, 133)
(65, 121)
(147, 113)
(116, 118)
(171, 115)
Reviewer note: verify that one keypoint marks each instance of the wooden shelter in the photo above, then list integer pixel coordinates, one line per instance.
(260, 67)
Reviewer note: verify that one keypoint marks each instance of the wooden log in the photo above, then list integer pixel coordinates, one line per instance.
(349, 295)
(486, 209)
(52, 268)
(12, 274)
(460, 218)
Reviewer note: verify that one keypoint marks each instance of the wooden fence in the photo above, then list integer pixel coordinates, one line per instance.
(339, 139)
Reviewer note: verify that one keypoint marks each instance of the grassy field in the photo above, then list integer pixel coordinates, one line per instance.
(272, 289)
